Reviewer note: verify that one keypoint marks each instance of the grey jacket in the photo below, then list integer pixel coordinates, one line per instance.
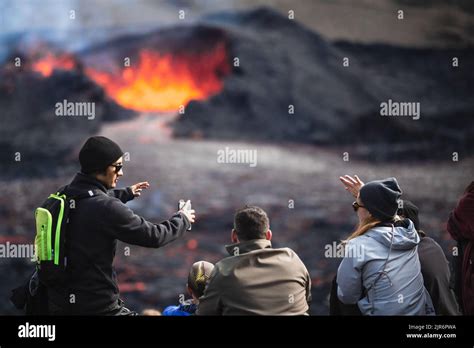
(381, 272)
(257, 280)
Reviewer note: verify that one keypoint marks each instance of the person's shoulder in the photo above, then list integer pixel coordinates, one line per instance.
(90, 199)
(222, 264)
(225, 268)
(364, 239)
(291, 255)
(286, 250)
(430, 243)
(360, 247)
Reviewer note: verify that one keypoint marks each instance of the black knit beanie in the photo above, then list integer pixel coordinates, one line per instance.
(98, 153)
(380, 198)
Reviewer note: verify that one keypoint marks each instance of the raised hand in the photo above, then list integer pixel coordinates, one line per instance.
(352, 184)
(138, 187)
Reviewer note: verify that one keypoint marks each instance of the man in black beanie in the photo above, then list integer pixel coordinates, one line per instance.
(95, 225)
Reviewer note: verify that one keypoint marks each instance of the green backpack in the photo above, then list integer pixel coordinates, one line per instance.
(52, 218)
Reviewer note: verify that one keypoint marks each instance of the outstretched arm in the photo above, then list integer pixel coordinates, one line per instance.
(123, 224)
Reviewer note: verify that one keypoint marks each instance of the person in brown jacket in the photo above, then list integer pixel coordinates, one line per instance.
(256, 279)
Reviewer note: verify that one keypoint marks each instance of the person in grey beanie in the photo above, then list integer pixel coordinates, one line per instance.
(96, 224)
(380, 271)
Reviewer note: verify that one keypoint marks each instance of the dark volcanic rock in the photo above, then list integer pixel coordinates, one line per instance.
(280, 64)
(283, 63)
(176, 40)
(31, 128)
(414, 75)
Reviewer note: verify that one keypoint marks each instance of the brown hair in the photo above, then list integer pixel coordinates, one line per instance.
(367, 224)
(251, 222)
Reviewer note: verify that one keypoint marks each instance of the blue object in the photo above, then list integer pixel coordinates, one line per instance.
(184, 309)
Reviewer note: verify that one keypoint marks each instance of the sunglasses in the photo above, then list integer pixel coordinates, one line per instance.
(356, 206)
(118, 167)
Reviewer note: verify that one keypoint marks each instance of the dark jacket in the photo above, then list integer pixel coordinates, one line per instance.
(257, 280)
(95, 225)
(461, 228)
(436, 276)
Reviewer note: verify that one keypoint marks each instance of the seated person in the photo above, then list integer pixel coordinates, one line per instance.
(197, 279)
(256, 279)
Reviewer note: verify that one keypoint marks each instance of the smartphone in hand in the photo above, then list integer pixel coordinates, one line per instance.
(185, 205)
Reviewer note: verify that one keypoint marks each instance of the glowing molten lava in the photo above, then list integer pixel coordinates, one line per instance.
(154, 81)
(49, 62)
(164, 82)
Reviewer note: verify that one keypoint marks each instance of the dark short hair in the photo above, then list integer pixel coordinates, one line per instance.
(251, 222)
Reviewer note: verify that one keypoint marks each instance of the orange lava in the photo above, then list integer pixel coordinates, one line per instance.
(165, 82)
(50, 62)
(154, 81)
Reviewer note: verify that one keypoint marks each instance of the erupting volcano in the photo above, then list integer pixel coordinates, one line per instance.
(153, 81)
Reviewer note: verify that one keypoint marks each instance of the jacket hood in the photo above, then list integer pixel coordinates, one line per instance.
(405, 236)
